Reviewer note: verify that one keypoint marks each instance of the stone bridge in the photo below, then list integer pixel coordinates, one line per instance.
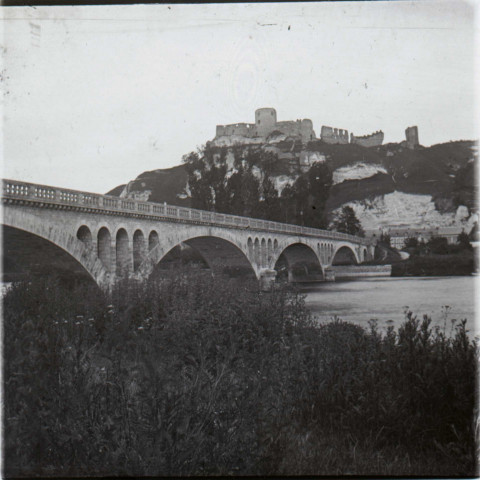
(106, 238)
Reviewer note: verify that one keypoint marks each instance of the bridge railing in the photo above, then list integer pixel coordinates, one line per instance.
(13, 189)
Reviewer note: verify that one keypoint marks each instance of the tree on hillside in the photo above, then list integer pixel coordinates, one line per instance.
(243, 193)
(250, 189)
(288, 205)
(270, 201)
(386, 239)
(463, 240)
(319, 185)
(206, 170)
(347, 222)
(303, 202)
(410, 242)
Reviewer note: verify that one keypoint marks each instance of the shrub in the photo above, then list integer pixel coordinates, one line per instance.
(210, 376)
(438, 245)
(411, 242)
(463, 240)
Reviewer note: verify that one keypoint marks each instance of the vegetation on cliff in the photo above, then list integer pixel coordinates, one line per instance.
(347, 222)
(445, 171)
(207, 377)
(247, 187)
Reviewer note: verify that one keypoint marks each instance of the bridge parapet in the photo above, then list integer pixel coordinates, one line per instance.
(48, 196)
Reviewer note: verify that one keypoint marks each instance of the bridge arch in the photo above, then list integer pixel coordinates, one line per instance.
(250, 247)
(104, 247)
(256, 251)
(222, 251)
(139, 248)
(122, 253)
(263, 259)
(300, 262)
(344, 254)
(69, 249)
(85, 236)
(153, 240)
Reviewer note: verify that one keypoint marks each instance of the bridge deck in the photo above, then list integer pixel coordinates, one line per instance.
(46, 196)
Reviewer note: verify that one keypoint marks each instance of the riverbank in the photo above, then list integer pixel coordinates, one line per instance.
(343, 272)
(202, 376)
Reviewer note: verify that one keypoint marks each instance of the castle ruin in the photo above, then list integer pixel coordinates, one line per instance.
(373, 140)
(411, 135)
(266, 125)
(334, 135)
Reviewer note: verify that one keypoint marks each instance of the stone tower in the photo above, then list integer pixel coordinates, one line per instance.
(411, 134)
(265, 120)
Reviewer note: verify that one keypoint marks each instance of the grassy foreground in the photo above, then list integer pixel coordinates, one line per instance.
(213, 377)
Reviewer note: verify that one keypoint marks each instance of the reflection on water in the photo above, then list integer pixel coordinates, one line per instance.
(385, 298)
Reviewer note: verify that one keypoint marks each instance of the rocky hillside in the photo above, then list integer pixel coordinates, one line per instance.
(389, 185)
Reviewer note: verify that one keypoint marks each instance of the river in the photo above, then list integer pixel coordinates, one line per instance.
(385, 298)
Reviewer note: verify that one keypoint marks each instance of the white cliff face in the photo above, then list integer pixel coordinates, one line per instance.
(142, 195)
(309, 158)
(405, 209)
(357, 172)
(282, 181)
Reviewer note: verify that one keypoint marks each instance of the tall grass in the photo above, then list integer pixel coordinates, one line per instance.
(197, 376)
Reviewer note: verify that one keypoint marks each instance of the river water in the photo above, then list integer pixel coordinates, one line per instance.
(385, 298)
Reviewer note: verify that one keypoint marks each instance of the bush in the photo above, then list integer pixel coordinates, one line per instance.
(210, 376)
(411, 242)
(435, 265)
(463, 241)
(438, 245)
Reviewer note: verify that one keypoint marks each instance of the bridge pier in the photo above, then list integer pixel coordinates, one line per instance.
(329, 274)
(267, 278)
(303, 273)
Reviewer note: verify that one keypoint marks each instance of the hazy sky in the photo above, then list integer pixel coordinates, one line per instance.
(95, 95)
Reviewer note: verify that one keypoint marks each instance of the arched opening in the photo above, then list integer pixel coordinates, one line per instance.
(85, 236)
(153, 240)
(364, 255)
(104, 248)
(344, 256)
(250, 247)
(269, 251)
(257, 251)
(264, 253)
(179, 258)
(27, 255)
(122, 254)
(139, 249)
(299, 263)
(199, 253)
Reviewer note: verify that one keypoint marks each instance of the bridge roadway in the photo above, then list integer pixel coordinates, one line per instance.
(108, 238)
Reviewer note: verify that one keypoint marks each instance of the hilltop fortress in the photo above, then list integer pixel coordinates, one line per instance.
(267, 129)
(266, 125)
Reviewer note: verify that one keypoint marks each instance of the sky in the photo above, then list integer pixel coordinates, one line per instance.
(96, 95)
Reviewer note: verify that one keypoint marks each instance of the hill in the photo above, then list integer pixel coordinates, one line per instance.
(385, 185)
